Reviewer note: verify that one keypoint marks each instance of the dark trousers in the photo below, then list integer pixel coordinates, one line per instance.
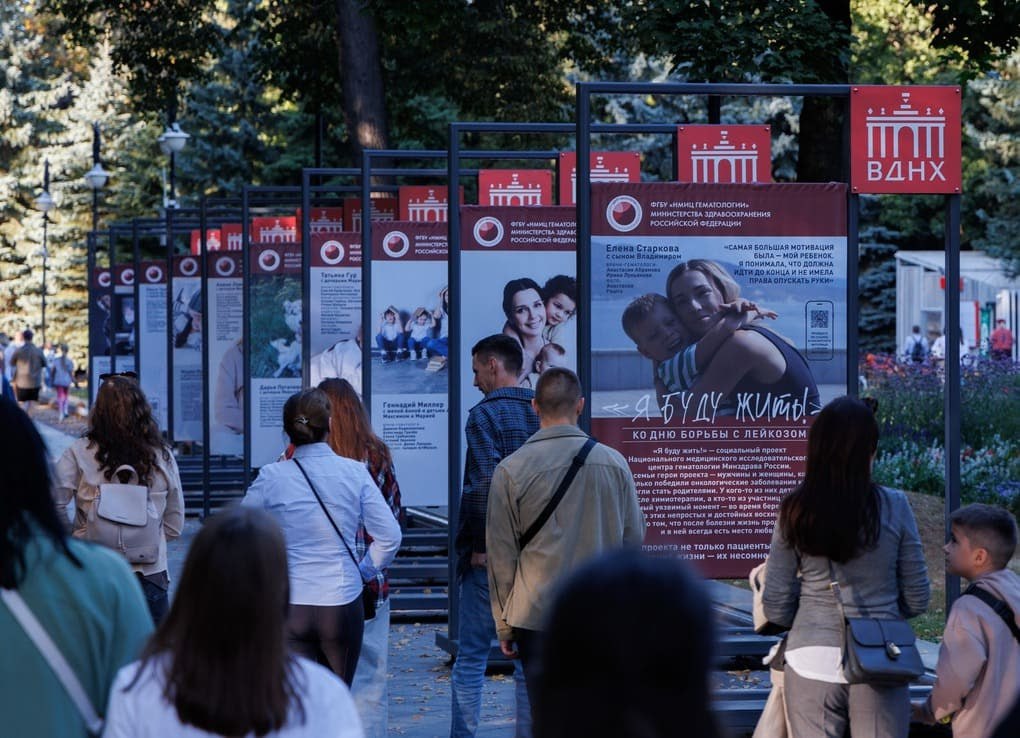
(155, 595)
(529, 644)
(329, 635)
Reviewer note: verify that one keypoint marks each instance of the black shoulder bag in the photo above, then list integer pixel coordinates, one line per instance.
(369, 598)
(550, 506)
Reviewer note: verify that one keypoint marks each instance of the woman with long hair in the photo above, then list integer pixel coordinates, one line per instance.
(318, 498)
(351, 436)
(83, 596)
(219, 662)
(524, 309)
(122, 431)
(838, 522)
(755, 359)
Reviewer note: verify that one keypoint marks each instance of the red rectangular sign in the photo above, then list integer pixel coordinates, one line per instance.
(231, 236)
(905, 139)
(510, 187)
(383, 209)
(212, 240)
(423, 203)
(274, 229)
(724, 154)
(325, 220)
(336, 250)
(605, 166)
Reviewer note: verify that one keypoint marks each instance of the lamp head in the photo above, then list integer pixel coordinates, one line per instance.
(173, 139)
(97, 176)
(45, 201)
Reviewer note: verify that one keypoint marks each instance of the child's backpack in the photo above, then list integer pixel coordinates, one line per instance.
(124, 518)
(917, 351)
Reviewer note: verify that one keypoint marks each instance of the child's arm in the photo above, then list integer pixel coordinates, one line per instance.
(732, 315)
(962, 657)
(409, 323)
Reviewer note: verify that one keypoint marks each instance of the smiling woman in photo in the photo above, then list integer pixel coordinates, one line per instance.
(526, 318)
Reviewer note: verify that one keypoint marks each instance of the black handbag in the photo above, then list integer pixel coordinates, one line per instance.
(369, 597)
(878, 651)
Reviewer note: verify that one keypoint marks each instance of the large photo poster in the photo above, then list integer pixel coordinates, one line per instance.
(718, 331)
(275, 356)
(335, 308)
(186, 317)
(225, 381)
(152, 336)
(518, 277)
(409, 333)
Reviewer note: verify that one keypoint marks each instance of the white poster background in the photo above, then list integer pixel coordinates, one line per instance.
(151, 311)
(187, 370)
(225, 383)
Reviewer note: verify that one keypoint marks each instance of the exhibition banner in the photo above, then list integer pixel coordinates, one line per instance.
(605, 166)
(518, 277)
(274, 229)
(112, 321)
(383, 209)
(325, 220)
(335, 307)
(100, 323)
(213, 240)
(514, 187)
(409, 330)
(186, 323)
(225, 380)
(275, 356)
(152, 336)
(724, 153)
(709, 403)
(423, 203)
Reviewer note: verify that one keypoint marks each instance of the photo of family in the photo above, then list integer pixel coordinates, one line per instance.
(538, 318)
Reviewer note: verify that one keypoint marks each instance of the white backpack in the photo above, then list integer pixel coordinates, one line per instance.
(124, 518)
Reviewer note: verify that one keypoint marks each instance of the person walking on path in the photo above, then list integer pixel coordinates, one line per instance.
(28, 364)
(1002, 341)
(62, 377)
(83, 596)
(9, 348)
(597, 511)
(122, 431)
(496, 427)
(915, 348)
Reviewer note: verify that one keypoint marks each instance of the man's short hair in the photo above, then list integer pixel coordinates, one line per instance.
(504, 349)
(27, 334)
(639, 309)
(557, 392)
(989, 527)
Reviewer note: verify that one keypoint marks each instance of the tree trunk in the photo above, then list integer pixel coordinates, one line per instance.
(361, 72)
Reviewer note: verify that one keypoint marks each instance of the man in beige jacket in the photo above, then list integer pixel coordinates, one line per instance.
(598, 511)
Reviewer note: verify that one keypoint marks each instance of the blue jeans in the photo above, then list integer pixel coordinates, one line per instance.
(369, 688)
(477, 631)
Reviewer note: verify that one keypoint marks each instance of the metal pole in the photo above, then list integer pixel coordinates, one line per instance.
(45, 223)
(952, 399)
(173, 195)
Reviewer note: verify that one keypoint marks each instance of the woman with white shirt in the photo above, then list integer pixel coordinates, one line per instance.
(838, 522)
(326, 619)
(219, 663)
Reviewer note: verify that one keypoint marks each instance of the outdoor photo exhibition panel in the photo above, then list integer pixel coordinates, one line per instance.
(508, 256)
(225, 378)
(335, 307)
(408, 327)
(186, 329)
(274, 293)
(101, 319)
(152, 282)
(713, 447)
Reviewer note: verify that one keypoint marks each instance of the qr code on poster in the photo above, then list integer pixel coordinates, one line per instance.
(819, 318)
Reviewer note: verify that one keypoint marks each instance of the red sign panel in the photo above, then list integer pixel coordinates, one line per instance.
(383, 209)
(275, 259)
(604, 166)
(905, 139)
(274, 229)
(325, 220)
(514, 187)
(423, 203)
(212, 240)
(407, 242)
(336, 250)
(231, 236)
(515, 229)
(724, 154)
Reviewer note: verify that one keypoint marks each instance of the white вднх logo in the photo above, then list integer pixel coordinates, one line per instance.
(623, 213)
(269, 260)
(488, 231)
(332, 252)
(396, 244)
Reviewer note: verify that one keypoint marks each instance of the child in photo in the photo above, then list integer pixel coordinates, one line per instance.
(977, 678)
(552, 354)
(650, 322)
(390, 338)
(560, 296)
(419, 330)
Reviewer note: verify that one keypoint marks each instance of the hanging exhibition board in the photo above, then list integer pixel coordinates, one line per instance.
(409, 331)
(213, 240)
(605, 166)
(715, 440)
(225, 380)
(275, 328)
(724, 154)
(186, 324)
(512, 260)
(335, 307)
(152, 336)
(514, 187)
(423, 203)
(111, 321)
(383, 209)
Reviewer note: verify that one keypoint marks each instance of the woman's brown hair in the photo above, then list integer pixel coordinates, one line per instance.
(306, 417)
(835, 511)
(351, 433)
(122, 429)
(227, 667)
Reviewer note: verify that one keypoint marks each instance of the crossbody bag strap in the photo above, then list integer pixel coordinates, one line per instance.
(328, 516)
(550, 506)
(38, 635)
(999, 606)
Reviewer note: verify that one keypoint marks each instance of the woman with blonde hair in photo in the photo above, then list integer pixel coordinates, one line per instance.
(122, 431)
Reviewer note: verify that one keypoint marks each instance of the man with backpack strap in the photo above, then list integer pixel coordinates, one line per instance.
(915, 348)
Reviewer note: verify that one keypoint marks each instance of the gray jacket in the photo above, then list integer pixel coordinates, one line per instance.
(890, 580)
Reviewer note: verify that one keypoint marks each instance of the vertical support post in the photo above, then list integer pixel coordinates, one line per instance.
(206, 430)
(246, 332)
(169, 235)
(952, 398)
(453, 359)
(367, 332)
(583, 215)
(853, 261)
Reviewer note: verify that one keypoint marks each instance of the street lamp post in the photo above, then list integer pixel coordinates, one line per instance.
(45, 203)
(96, 178)
(171, 142)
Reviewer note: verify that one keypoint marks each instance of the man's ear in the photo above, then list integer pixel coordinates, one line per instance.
(981, 556)
(534, 406)
(579, 408)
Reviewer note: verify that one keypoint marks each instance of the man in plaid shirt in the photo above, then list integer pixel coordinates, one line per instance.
(496, 427)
